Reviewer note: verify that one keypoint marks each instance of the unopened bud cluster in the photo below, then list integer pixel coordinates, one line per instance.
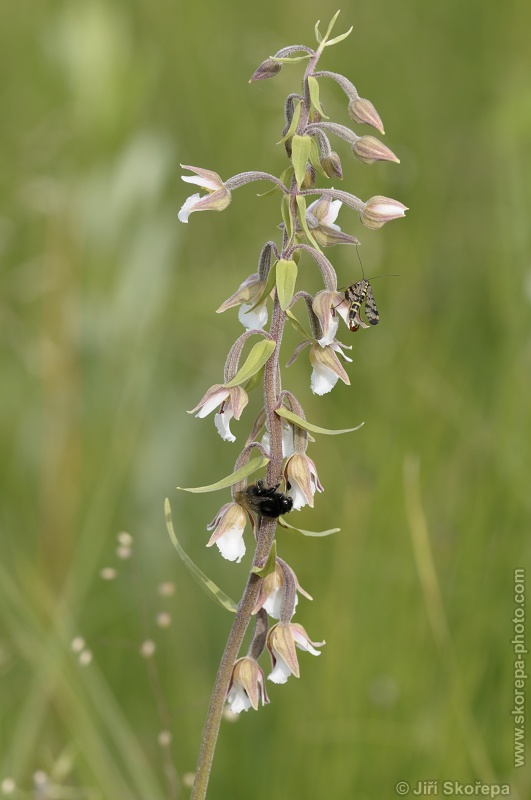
(279, 432)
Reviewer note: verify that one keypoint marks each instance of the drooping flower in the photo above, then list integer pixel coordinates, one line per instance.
(327, 369)
(246, 296)
(247, 686)
(217, 199)
(231, 402)
(324, 305)
(321, 217)
(282, 641)
(271, 593)
(228, 526)
(302, 480)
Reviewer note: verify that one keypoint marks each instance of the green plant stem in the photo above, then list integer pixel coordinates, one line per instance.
(265, 537)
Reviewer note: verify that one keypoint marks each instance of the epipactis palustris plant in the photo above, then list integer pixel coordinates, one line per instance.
(279, 437)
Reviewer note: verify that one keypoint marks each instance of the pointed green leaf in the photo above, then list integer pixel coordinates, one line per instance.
(270, 564)
(296, 324)
(294, 122)
(300, 154)
(252, 465)
(290, 59)
(301, 203)
(315, 159)
(308, 426)
(330, 27)
(286, 279)
(340, 37)
(285, 178)
(205, 583)
(282, 522)
(286, 215)
(268, 288)
(255, 381)
(256, 359)
(313, 86)
(318, 32)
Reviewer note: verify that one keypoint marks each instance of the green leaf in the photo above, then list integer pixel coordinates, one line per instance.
(297, 325)
(300, 154)
(256, 359)
(308, 426)
(282, 522)
(330, 27)
(301, 203)
(205, 583)
(290, 59)
(255, 381)
(294, 122)
(286, 279)
(315, 159)
(318, 32)
(286, 215)
(313, 86)
(270, 564)
(268, 288)
(340, 37)
(252, 465)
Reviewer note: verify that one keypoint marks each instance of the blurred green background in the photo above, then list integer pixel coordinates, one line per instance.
(108, 335)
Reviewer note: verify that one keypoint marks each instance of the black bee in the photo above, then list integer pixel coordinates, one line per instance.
(264, 500)
(358, 294)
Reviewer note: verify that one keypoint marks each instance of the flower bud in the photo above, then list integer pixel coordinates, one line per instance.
(267, 69)
(332, 166)
(368, 149)
(379, 210)
(363, 112)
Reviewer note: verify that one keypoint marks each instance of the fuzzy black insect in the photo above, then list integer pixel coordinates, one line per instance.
(264, 500)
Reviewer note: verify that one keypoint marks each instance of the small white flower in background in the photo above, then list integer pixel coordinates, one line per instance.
(231, 402)
(85, 658)
(247, 686)
(108, 573)
(147, 648)
(228, 526)
(327, 368)
(282, 640)
(217, 199)
(302, 480)
(77, 644)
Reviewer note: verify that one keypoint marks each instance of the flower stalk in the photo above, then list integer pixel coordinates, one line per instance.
(272, 586)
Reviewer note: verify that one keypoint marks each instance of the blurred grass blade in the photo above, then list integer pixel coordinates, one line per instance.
(205, 583)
